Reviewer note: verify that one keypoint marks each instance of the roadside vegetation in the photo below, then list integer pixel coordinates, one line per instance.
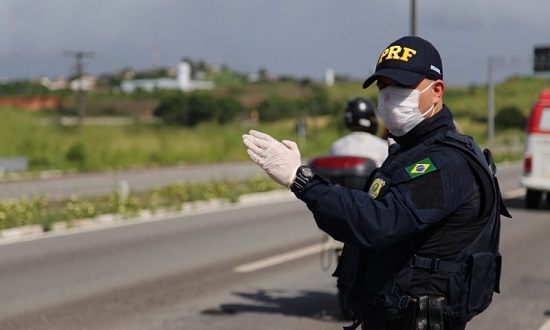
(167, 128)
(204, 127)
(47, 214)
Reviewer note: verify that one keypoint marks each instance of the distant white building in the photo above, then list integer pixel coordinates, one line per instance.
(85, 83)
(329, 77)
(182, 82)
(54, 84)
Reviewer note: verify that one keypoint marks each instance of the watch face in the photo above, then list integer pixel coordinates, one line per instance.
(308, 172)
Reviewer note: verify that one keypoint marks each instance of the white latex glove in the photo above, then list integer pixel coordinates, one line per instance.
(280, 160)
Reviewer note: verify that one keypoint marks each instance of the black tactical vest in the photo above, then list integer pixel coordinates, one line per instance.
(471, 287)
(474, 274)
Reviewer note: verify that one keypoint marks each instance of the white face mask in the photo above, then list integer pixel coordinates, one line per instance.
(398, 108)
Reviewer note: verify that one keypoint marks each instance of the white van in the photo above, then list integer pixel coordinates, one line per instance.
(536, 157)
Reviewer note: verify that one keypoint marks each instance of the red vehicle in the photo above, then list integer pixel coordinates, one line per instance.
(536, 157)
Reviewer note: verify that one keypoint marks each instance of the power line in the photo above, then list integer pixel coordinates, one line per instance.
(79, 57)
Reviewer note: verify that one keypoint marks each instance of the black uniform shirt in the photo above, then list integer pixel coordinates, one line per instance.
(424, 200)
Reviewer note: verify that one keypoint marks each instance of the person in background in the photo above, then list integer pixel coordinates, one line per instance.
(360, 118)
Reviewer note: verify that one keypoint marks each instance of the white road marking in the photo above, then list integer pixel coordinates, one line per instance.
(513, 193)
(546, 326)
(281, 258)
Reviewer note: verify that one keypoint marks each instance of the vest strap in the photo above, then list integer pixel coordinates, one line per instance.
(356, 323)
(435, 264)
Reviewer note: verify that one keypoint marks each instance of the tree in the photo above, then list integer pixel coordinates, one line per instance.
(510, 117)
(276, 107)
(190, 109)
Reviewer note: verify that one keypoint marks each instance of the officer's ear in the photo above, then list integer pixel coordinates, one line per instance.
(438, 88)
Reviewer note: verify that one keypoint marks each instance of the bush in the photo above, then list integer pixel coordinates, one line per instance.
(172, 110)
(22, 87)
(76, 154)
(276, 107)
(510, 117)
(227, 109)
(190, 109)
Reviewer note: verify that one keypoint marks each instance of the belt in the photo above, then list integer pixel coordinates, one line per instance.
(423, 313)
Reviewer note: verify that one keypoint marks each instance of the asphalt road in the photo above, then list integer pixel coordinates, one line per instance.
(58, 186)
(239, 267)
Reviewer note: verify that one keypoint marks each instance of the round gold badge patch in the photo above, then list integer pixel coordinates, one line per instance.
(375, 187)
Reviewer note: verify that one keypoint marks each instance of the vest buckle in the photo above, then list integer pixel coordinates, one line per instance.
(434, 267)
(430, 264)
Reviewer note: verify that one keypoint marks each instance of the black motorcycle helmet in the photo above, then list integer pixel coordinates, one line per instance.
(360, 115)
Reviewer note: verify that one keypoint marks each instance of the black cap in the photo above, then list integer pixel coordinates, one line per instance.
(408, 61)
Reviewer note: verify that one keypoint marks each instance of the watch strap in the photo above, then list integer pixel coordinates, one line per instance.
(301, 180)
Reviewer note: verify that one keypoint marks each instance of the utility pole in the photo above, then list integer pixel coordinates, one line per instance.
(79, 56)
(413, 17)
(491, 100)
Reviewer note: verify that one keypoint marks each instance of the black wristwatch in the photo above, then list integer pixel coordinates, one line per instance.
(304, 174)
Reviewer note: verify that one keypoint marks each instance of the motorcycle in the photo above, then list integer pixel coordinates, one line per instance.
(348, 171)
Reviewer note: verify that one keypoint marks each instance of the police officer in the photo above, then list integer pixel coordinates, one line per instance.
(421, 244)
(360, 118)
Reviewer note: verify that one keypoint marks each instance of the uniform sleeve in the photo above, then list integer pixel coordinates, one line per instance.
(406, 208)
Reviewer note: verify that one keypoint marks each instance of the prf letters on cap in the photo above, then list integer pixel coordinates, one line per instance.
(397, 53)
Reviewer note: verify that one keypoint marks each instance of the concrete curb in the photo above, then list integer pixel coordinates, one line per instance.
(112, 220)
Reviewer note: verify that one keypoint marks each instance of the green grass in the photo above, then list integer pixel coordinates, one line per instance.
(98, 147)
(88, 148)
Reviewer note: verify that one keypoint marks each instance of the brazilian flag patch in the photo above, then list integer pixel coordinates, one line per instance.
(422, 167)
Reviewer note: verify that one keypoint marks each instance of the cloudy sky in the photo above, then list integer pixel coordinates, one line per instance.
(295, 37)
